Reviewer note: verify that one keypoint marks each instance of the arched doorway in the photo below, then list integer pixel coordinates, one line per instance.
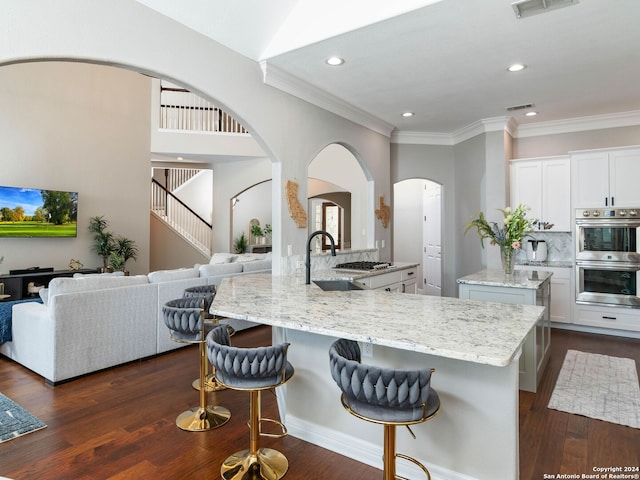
(335, 177)
(419, 202)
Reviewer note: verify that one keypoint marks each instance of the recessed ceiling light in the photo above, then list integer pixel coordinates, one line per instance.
(516, 67)
(334, 61)
(408, 114)
(531, 114)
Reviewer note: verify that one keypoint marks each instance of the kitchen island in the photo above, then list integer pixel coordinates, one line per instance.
(474, 347)
(525, 287)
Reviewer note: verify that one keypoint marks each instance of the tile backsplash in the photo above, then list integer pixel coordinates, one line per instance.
(559, 246)
(320, 261)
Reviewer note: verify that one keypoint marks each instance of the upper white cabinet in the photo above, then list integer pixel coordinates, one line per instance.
(544, 184)
(606, 178)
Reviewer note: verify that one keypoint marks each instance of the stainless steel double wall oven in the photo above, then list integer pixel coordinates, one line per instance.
(608, 256)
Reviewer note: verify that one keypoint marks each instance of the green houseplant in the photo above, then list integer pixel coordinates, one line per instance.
(508, 237)
(267, 231)
(126, 249)
(116, 261)
(240, 243)
(103, 243)
(256, 231)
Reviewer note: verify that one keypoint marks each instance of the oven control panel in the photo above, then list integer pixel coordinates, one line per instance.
(606, 213)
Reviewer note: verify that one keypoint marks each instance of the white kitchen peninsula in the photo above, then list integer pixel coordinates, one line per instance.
(527, 287)
(474, 347)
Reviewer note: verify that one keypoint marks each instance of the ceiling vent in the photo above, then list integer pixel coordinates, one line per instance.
(520, 107)
(526, 8)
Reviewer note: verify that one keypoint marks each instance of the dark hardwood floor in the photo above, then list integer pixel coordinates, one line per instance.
(119, 424)
(553, 442)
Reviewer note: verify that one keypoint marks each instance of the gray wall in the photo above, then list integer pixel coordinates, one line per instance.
(83, 128)
(435, 163)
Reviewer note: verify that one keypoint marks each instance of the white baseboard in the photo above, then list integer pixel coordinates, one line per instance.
(363, 451)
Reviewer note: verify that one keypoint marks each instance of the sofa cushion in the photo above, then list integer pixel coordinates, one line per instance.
(250, 257)
(256, 266)
(61, 285)
(108, 274)
(170, 275)
(218, 258)
(220, 269)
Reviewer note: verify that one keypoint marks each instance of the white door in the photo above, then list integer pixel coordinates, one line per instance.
(432, 239)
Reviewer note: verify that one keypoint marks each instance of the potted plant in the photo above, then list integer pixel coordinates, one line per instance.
(240, 243)
(256, 231)
(103, 240)
(267, 232)
(516, 225)
(116, 261)
(126, 249)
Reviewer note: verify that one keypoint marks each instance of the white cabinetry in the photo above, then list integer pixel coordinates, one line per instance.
(544, 184)
(608, 317)
(403, 281)
(561, 291)
(606, 178)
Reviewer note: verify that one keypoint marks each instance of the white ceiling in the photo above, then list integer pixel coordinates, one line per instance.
(444, 60)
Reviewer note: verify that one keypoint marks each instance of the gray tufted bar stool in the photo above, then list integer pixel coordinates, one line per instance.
(252, 370)
(384, 396)
(186, 320)
(207, 292)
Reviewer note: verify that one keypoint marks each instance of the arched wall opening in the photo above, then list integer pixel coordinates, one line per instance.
(154, 45)
(333, 171)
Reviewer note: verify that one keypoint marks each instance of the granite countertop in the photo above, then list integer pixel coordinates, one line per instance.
(350, 274)
(496, 278)
(481, 332)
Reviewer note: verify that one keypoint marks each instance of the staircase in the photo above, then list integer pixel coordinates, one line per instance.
(178, 215)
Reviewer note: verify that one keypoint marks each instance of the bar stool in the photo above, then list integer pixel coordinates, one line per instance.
(384, 396)
(185, 318)
(253, 370)
(207, 292)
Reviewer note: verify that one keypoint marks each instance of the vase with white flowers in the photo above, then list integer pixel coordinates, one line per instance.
(508, 237)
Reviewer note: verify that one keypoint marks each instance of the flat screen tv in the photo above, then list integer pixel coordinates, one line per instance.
(29, 212)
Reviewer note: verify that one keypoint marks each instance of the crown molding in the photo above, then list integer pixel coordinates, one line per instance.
(486, 125)
(278, 78)
(580, 124)
(422, 138)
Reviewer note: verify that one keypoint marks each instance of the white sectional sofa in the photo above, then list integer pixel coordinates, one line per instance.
(92, 322)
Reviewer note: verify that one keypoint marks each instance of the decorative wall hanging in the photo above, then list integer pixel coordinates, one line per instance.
(383, 212)
(296, 210)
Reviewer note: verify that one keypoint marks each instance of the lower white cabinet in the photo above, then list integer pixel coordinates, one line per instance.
(403, 281)
(562, 296)
(608, 317)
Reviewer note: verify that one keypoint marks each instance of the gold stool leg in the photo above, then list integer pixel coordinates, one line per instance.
(389, 455)
(256, 463)
(204, 417)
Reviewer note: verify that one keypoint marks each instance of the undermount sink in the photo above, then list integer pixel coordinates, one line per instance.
(338, 285)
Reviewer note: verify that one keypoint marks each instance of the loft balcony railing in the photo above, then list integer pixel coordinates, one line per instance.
(182, 110)
(181, 218)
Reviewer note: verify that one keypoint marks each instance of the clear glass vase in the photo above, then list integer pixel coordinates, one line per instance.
(508, 257)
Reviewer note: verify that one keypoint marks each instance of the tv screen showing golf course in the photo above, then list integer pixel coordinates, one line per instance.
(29, 212)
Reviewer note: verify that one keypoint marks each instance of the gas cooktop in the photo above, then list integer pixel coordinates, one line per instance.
(363, 265)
